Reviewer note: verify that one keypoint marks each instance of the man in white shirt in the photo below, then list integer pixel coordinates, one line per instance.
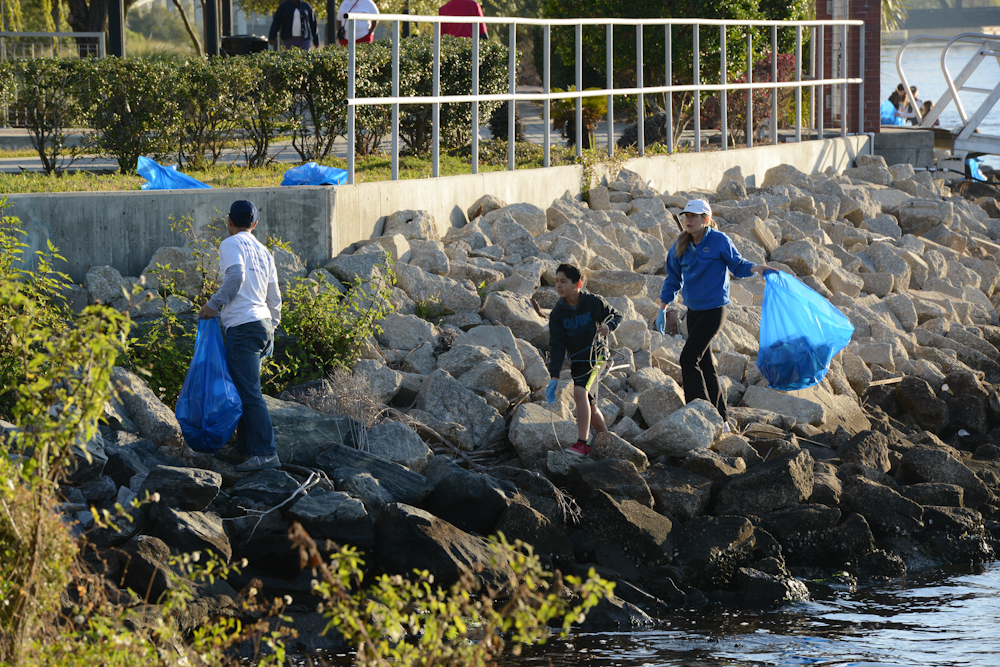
(364, 31)
(250, 303)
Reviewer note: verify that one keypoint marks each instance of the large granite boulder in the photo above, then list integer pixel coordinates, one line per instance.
(445, 397)
(779, 482)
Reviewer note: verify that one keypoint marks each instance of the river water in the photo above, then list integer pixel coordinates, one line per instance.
(940, 618)
(922, 66)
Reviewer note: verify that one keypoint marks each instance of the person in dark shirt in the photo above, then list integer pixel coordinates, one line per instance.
(296, 21)
(575, 321)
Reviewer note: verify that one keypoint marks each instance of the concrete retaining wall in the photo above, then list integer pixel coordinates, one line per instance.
(124, 229)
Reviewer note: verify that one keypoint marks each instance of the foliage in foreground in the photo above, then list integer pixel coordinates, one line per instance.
(53, 610)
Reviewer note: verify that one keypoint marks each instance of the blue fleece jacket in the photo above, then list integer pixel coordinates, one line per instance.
(702, 272)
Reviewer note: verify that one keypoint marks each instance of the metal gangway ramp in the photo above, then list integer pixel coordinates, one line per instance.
(963, 140)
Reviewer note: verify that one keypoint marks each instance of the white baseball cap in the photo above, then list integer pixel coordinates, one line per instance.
(698, 206)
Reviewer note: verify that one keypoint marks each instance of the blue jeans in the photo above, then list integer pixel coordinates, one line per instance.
(246, 345)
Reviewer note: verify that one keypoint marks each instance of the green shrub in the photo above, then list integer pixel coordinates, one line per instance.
(132, 112)
(212, 107)
(269, 98)
(48, 92)
(318, 112)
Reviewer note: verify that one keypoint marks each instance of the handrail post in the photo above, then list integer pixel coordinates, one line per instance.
(351, 109)
(774, 91)
(822, 74)
(547, 88)
(610, 64)
(512, 86)
(812, 73)
(640, 104)
(436, 107)
(843, 86)
(697, 93)
(668, 48)
(395, 104)
(750, 90)
(579, 87)
(861, 74)
(798, 80)
(475, 104)
(723, 97)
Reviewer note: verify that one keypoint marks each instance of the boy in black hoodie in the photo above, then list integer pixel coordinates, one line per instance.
(573, 324)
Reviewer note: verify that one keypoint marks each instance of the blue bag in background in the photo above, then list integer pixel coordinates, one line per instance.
(159, 177)
(311, 173)
(208, 407)
(800, 332)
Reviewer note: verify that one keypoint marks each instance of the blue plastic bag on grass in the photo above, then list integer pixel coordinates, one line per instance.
(208, 407)
(311, 173)
(800, 332)
(159, 177)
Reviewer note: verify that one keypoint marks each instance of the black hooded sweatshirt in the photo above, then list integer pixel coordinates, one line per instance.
(573, 328)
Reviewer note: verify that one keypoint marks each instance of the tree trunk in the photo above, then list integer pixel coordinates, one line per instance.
(187, 26)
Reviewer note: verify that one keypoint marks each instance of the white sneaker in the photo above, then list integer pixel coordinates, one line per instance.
(726, 428)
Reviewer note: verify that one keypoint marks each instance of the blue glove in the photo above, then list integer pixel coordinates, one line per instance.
(550, 391)
(661, 320)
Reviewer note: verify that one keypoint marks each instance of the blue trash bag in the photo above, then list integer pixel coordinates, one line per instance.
(800, 332)
(208, 407)
(311, 173)
(972, 170)
(159, 177)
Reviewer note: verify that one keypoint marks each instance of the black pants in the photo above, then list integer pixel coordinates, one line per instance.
(697, 364)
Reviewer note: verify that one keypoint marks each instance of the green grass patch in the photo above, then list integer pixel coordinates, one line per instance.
(492, 157)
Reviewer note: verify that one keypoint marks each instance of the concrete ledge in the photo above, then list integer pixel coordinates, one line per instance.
(905, 145)
(124, 229)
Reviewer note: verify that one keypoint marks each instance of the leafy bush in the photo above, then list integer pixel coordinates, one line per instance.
(47, 90)
(269, 97)
(212, 106)
(318, 113)
(131, 110)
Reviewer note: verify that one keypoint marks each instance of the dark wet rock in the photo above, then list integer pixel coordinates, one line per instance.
(639, 597)
(869, 448)
(758, 587)
(409, 538)
(366, 488)
(853, 538)
(968, 413)
(469, 501)
(613, 557)
(886, 511)
(620, 479)
(104, 488)
(613, 613)
(644, 534)
(826, 486)
(403, 484)
(848, 470)
(335, 516)
(804, 531)
(134, 458)
(302, 434)
(677, 492)
(521, 522)
(926, 464)
(263, 540)
(776, 483)
(311, 635)
(89, 461)
(881, 564)
(931, 493)
(712, 548)
(122, 528)
(916, 397)
(954, 520)
(192, 531)
(189, 489)
(270, 487)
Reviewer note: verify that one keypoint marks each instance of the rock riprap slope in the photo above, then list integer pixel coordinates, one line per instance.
(891, 463)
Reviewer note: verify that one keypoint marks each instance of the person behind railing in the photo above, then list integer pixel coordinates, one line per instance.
(889, 109)
(461, 8)
(297, 22)
(925, 109)
(364, 31)
(906, 110)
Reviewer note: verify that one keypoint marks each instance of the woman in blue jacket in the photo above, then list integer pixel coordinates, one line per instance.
(698, 266)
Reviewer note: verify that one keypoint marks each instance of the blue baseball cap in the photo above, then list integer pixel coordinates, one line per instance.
(243, 213)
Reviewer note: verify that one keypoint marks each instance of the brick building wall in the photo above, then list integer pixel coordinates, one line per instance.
(869, 11)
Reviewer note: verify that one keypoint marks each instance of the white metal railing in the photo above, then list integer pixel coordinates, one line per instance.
(50, 44)
(967, 137)
(816, 78)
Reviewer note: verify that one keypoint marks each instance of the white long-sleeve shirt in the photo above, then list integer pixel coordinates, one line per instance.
(249, 290)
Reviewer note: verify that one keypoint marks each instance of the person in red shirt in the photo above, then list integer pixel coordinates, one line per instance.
(461, 8)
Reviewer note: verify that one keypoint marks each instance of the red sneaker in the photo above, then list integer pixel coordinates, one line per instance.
(579, 449)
